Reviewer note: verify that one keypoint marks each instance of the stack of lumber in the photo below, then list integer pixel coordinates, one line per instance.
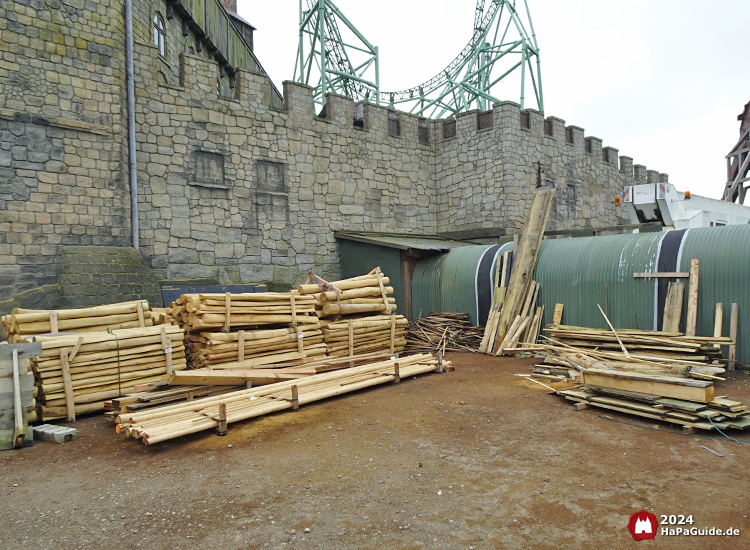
(441, 332)
(364, 294)
(371, 334)
(24, 323)
(358, 314)
(640, 346)
(253, 348)
(513, 316)
(689, 403)
(208, 312)
(171, 421)
(77, 373)
(161, 393)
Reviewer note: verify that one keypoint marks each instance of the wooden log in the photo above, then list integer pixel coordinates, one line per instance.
(346, 284)
(673, 307)
(31, 315)
(354, 293)
(229, 377)
(692, 311)
(37, 327)
(332, 308)
(657, 386)
(732, 355)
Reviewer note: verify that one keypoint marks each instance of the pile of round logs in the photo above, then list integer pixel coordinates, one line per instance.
(365, 335)
(195, 312)
(358, 314)
(255, 348)
(77, 373)
(168, 422)
(365, 294)
(23, 323)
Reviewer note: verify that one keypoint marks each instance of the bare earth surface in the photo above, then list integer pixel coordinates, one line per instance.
(475, 458)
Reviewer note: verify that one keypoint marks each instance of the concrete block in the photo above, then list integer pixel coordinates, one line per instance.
(56, 434)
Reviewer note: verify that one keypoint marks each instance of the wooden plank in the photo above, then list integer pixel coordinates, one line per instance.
(68, 385)
(692, 311)
(655, 387)
(614, 332)
(688, 406)
(738, 423)
(637, 396)
(202, 377)
(733, 317)
(627, 404)
(673, 307)
(669, 274)
(557, 315)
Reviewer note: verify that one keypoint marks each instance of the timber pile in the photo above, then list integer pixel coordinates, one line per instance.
(677, 401)
(640, 346)
(357, 314)
(160, 394)
(208, 312)
(171, 421)
(77, 373)
(364, 294)
(24, 323)
(441, 332)
(371, 334)
(514, 317)
(255, 348)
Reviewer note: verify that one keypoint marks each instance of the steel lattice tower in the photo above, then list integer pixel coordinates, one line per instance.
(502, 43)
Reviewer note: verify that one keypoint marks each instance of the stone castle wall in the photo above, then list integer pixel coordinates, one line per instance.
(233, 188)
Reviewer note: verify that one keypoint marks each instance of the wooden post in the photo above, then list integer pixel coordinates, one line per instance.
(692, 311)
(393, 334)
(19, 430)
(141, 320)
(300, 335)
(75, 349)
(718, 322)
(351, 338)
(557, 315)
(382, 293)
(673, 307)
(295, 398)
(396, 374)
(733, 318)
(222, 428)
(68, 387)
(241, 348)
(53, 322)
(166, 345)
(227, 311)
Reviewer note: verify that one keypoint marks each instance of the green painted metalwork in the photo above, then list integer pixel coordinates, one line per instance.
(503, 42)
(358, 258)
(447, 282)
(333, 58)
(724, 263)
(574, 272)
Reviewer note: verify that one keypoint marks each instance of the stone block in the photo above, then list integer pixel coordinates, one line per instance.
(55, 434)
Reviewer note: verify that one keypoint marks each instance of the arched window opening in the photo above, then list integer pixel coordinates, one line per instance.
(160, 34)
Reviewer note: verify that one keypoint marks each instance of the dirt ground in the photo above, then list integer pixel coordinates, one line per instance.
(471, 459)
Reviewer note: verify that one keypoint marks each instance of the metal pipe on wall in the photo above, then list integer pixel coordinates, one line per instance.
(133, 166)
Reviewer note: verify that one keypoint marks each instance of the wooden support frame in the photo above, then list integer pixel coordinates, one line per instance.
(68, 387)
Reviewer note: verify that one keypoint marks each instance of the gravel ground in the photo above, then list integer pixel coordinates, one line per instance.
(471, 459)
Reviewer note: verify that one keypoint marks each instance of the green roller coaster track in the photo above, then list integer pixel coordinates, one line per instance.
(334, 57)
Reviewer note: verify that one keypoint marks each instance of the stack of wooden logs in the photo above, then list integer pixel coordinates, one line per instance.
(441, 332)
(641, 346)
(358, 314)
(248, 330)
(254, 348)
(208, 312)
(77, 373)
(24, 323)
(167, 422)
(513, 316)
(364, 294)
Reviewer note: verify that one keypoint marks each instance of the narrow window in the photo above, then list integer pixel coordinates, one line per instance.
(525, 120)
(548, 127)
(449, 128)
(569, 135)
(160, 34)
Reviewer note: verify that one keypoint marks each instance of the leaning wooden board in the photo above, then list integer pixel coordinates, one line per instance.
(697, 390)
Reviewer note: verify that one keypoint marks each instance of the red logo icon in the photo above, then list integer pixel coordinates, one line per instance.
(642, 525)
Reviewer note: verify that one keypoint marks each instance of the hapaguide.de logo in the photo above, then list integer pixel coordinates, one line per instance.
(642, 525)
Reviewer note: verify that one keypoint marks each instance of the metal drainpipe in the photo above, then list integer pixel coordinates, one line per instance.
(133, 166)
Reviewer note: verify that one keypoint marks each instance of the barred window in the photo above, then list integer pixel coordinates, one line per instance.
(160, 34)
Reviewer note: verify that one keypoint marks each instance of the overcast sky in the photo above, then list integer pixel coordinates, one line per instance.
(662, 80)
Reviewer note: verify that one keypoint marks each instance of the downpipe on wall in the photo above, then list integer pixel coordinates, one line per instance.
(133, 166)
